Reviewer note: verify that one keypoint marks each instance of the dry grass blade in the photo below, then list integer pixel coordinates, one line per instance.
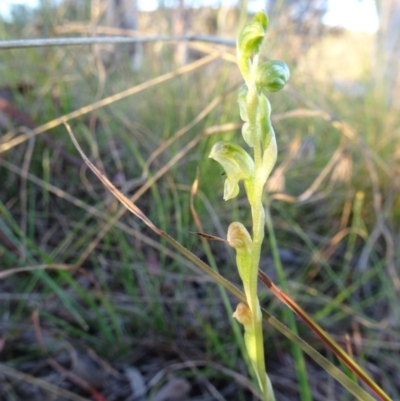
(328, 341)
(165, 145)
(380, 227)
(108, 100)
(15, 270)
(315, 185)
(195, 364)
(94, 211)
(201, 234)
(160, 172)
(138, 213)
(129, 203)
(72, 377)
(43, 384)
(122, 198)
(337, 238)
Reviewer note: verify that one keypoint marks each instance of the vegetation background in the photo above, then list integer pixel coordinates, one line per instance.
(95, 307)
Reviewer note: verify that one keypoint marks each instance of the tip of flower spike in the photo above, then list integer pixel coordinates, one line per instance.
(252, 35)
(262, 18)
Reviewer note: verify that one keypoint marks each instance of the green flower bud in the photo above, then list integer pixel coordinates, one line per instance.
(237, 164)
(272, 76)
(249, 41)
(239, 238)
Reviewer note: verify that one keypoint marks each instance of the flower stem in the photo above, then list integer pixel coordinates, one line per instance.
(258, 219)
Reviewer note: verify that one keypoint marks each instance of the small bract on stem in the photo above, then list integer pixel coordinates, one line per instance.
(258, 133)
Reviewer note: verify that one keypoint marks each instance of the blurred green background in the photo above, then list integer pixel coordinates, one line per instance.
(107, 302)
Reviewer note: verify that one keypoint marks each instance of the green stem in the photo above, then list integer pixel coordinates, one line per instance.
(255, 200)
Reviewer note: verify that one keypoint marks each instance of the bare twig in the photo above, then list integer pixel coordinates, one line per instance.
(42, 42)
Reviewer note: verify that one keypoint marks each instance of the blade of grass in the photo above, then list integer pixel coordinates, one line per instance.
(32, 252)
(15, 270)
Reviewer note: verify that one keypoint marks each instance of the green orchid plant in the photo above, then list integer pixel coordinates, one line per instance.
(258, 133)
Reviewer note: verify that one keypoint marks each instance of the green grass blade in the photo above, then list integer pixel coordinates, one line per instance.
(299, 362)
